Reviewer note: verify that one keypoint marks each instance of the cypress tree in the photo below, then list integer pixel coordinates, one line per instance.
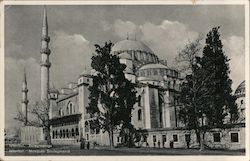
(215, 66)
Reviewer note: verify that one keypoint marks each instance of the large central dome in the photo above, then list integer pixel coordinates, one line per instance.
(136, 49)
(131, 45)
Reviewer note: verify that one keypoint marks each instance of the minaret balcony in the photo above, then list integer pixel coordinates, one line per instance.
(25, 101)
(45, 64)
(45, 38)
(45, 51)
(25, 90)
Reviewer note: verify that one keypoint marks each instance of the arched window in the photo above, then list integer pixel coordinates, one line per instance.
(73, 132)
(142, 73)
(77, 132)
(155, 72)
(73, 109)
(147, 57)
(139, 115)
(136, 55)
(141, 56)
(67, 111)
(148, 72)
(69, 108)
(63, 133)
(162, 72)
(56, 134)
(53, 135)
(67, 133)
(139, 100)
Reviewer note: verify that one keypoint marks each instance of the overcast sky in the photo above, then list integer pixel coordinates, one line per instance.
(75, 29)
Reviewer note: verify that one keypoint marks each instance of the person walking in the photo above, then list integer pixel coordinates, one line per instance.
(159, 144)
(87, 145)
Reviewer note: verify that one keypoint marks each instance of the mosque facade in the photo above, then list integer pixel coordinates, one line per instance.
(156, 110)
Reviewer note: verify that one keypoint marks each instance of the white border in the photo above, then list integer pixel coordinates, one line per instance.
(124, 2)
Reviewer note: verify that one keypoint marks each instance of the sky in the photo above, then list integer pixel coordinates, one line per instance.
(75, 29)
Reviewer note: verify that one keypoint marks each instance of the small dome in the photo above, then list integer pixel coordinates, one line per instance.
(125, 55)
(153, 66)
(86, 73)
(126, 45)
(240, 90)
(53, 90)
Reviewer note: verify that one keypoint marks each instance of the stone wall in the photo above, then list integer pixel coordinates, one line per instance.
(225, 141)
(31, 135)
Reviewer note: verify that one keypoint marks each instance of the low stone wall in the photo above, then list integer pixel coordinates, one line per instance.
(64, 141)
(178, 138)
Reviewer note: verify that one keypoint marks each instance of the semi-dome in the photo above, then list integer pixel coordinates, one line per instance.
(125, 45)
(240, 90)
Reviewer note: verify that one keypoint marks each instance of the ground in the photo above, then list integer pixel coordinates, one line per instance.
(76, 151)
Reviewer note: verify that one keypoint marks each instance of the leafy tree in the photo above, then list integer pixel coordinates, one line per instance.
(40, 113)
(216, 67)
(206, 91)
(191, 89)
(130, 135)
(187, 56)
(112, 96)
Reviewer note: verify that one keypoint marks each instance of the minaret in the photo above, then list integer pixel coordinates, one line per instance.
(25, 100)
(45, 64)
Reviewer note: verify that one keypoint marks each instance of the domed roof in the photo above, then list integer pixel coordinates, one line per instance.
(53, 90)
(125, 45)
(240, 90)
(125, 55)
(153, 66)
(86, 73)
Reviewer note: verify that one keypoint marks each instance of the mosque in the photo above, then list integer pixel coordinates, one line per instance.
(156, 110)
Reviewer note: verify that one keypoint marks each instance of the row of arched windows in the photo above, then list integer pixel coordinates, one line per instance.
(30, 137)
(68, 133)
(156, 72)
(141, 55)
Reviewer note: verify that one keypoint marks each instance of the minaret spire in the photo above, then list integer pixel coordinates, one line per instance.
(45, 52)
(45, 21)
(24, 76)
(25, 100)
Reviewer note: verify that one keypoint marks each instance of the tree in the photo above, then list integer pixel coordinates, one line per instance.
(216, 66)
(187, 56)
(40, 112)
(112, 96)
(206, 91)
(130, 135)
(192, 91)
